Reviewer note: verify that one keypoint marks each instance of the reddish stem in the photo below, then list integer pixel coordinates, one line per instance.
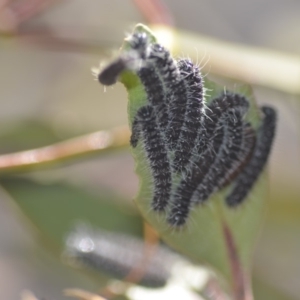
(241, 288)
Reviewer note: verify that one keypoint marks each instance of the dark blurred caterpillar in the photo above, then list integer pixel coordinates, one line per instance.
(118, 254)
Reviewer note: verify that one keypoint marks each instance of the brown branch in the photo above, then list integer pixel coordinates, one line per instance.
(88, 144)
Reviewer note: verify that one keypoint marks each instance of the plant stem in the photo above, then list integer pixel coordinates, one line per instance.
(241, 287)
(96, 142)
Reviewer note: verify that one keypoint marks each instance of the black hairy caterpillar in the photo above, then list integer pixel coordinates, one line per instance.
(109, 75)
(254, 167)
(155, 95)
(175, 90)
(193, 115)
(145, 127)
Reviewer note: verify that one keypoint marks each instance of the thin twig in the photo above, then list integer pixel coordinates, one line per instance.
(88, 144)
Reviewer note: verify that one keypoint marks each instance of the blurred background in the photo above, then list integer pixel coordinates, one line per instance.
(48, 95)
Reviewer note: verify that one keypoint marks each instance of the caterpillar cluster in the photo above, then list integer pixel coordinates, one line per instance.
(193, 149)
